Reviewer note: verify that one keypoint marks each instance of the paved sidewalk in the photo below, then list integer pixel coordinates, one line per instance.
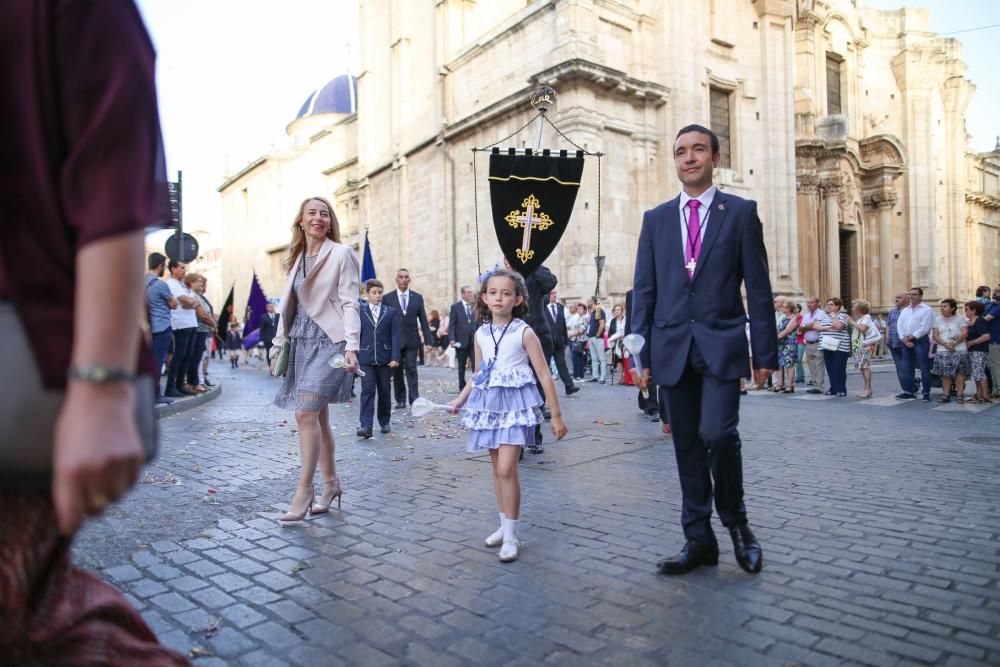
(878, 519)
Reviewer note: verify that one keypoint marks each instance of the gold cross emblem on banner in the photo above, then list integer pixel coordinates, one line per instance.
(530, 218)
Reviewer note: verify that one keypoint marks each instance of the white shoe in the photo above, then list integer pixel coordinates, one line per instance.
(508, 552)
(496, 539)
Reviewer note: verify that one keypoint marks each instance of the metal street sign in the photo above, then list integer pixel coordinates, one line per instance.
(183, 249)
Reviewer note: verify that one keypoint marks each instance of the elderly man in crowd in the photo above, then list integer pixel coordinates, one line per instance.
(992, 316)
(893, 342)
(914, 328)
(814, 355)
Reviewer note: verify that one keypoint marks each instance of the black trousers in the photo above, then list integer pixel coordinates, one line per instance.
(704, 414)
(407, 367)
(183, 349)
(197, 351)
(375, 382)
(462, 355)
(559, 353)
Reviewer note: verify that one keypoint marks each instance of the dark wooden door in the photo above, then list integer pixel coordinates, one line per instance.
(846, 266)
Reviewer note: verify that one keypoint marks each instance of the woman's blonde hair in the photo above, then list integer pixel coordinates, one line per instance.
(298, 244)
(861, 306)
(192, 278)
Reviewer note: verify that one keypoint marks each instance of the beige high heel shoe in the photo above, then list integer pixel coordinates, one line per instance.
(290, 516)
(333, 485)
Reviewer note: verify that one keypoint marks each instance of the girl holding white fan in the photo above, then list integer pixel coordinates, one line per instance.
(502, 403)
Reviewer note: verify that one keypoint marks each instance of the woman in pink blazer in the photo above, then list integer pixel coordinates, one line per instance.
(319, 319)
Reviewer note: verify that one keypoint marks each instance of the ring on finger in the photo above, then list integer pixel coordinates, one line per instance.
(98, 502)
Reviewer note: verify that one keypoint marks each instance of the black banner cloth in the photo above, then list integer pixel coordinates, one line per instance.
(532, 199)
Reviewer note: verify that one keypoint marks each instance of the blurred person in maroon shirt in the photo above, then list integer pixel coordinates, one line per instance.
(81, 176)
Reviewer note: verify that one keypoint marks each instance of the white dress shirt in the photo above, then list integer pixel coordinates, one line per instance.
(705, 199)
(375, 310)
(915, 321)
(400, 296)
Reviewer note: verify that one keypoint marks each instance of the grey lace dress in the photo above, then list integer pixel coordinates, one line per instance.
(310, 383)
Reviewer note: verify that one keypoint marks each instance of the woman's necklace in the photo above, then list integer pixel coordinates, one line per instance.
(481, 379)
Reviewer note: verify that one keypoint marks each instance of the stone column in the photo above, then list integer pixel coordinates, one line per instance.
(885, 201)
(831, 192)
(809, 234)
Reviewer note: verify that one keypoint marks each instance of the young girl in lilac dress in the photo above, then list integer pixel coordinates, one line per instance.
(502, 405)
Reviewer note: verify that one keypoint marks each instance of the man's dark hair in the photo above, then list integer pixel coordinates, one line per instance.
(704, 130)
(155, 260)
(173, 264)
(918, 290)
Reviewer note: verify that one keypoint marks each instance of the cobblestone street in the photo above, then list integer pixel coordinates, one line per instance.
(879, 522)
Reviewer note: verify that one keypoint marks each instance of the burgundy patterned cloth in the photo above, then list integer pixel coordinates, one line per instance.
(52, 613)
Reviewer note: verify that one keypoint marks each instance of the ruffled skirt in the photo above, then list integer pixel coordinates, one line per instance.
(501, 415)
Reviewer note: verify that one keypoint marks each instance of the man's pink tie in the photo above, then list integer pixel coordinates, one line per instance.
(694, 237)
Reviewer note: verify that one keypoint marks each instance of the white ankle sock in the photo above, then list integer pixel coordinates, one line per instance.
(510, 531)
(496, 538)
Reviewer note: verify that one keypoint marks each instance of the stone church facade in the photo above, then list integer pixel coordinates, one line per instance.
(846, 124)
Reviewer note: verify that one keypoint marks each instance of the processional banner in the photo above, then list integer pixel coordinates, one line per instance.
(532, 198)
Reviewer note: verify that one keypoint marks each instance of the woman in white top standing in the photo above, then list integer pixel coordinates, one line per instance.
(835, 343)
(950, 331)
(576, 329)
(864, 337)
(616, 332)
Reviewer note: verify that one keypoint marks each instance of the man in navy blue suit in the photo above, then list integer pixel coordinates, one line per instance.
(378, 355)
(409, 307)
(462, 327)
(695, 252)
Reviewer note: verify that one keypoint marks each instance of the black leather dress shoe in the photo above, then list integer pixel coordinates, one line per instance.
(364, 433)
(385, 429)
(400, 406)
(747, 549)
(693, 555)
(571, 390)
(173, 393)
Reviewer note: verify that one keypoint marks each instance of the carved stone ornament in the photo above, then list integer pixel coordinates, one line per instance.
(884, 198)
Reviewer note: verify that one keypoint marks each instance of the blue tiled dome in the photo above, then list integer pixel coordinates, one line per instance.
(338, 96)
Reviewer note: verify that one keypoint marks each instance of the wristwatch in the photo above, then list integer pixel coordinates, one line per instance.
(99, 374)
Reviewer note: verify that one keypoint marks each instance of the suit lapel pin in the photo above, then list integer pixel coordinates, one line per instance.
(722, 207)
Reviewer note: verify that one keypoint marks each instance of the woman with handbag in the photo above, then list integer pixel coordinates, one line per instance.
(616, 333)
(835, 343)
(576, 328)
(318, 324)
(950, 332)
(864, 337)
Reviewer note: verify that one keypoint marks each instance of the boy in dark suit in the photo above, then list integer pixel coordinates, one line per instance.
(378, 354)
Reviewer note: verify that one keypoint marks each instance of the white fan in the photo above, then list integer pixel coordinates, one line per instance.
(339, 361)
(422, 407)
(634, 344)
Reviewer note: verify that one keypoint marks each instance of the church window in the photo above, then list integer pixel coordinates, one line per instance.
(720, 117)
(833, 99)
